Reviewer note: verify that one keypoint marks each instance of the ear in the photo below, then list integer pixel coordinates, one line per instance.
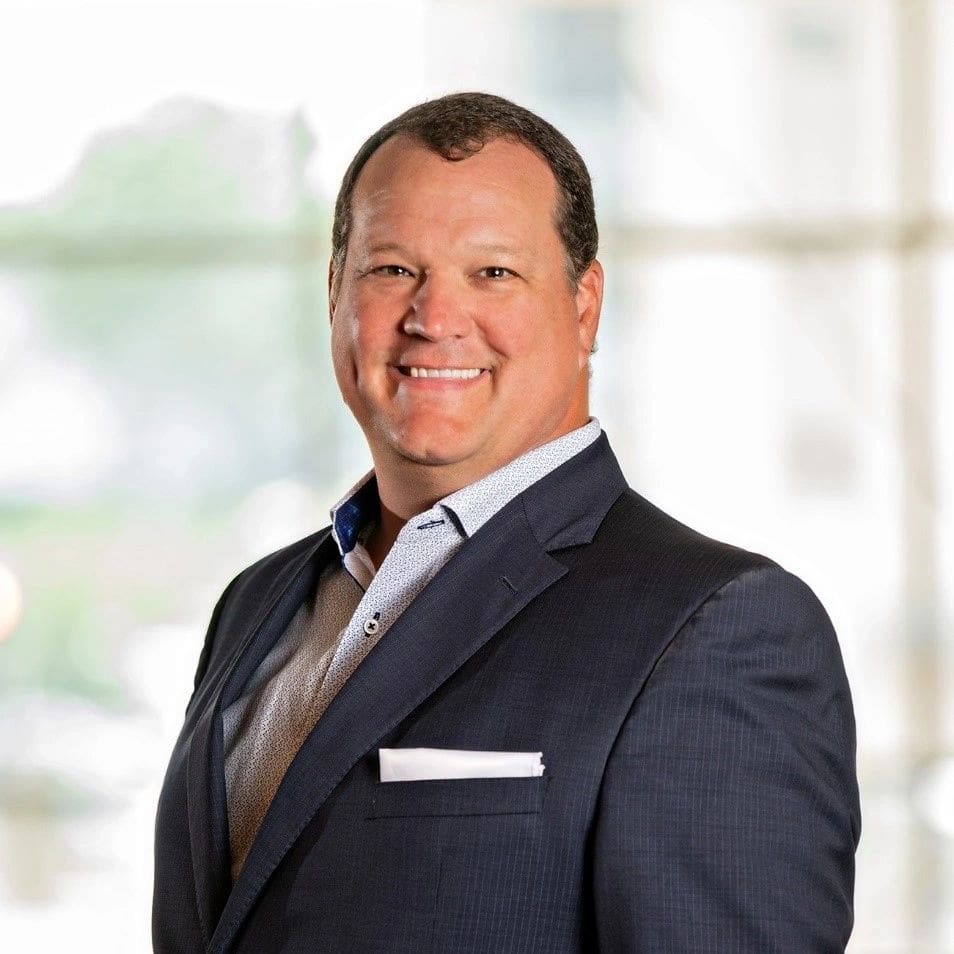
(589, 301)
(332, 300)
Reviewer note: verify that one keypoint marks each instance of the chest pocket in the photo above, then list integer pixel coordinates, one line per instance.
(458, 796)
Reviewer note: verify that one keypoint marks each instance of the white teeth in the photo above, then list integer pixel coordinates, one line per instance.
(444, 372)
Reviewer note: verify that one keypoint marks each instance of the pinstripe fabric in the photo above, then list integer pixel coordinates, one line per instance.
(693, 714)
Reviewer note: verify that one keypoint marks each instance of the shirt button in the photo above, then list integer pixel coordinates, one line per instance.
(371, 626)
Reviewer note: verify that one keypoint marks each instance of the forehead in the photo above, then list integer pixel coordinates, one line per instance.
(504, 184)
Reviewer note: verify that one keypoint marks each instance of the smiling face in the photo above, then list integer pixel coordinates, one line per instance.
(457, 339)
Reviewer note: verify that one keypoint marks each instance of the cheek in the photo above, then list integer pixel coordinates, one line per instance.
(341, 362)
(538, 338)
(349, 336)
(513, 333)
(346, 350)
(340, 344)
(371, 331)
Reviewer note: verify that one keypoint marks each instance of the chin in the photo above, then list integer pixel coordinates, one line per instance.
(429, 459)
(433, 446)
(431, 453)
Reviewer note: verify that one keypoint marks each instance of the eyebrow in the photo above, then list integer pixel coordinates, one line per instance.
(496, 248)
(493, 248)
(387, 247)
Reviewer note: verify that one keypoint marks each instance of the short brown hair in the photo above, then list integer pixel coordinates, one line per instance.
(460, 124)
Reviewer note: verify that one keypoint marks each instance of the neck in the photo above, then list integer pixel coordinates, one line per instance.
(382, 537)
(403, 492)
(407, 487)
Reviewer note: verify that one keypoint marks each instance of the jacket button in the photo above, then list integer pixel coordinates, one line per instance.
(371, 626)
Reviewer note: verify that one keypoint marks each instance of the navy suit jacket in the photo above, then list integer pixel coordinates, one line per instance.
(690, 703)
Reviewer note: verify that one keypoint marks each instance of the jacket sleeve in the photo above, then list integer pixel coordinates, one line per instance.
(728, 814)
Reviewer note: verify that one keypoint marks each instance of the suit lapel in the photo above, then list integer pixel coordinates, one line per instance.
(457, 613)
(208, 818)
(448, 622)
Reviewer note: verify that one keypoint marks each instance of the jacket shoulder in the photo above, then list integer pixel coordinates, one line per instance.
(642, 548)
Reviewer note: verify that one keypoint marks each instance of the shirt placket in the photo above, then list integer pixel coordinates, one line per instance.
(416, 553)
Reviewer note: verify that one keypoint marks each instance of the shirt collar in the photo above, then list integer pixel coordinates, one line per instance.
(353, 512)
(476, 503)
(471, 506)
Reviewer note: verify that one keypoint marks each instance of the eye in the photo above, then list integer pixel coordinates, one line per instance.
(391, 271)
(495, 271)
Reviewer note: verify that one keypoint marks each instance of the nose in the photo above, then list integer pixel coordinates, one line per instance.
(440, 309)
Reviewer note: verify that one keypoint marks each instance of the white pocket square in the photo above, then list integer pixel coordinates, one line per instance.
(412, 765)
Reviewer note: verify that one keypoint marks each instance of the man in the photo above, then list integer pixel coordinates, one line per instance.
(503, 703)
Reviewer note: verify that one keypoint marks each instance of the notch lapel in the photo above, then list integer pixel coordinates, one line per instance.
(447, 623)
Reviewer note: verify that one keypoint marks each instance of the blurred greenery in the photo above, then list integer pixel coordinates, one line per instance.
(93, 575)
(179, 269)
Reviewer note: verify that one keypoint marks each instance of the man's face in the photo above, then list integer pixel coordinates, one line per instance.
(457, 339)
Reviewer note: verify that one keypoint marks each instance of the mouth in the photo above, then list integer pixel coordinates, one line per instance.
(461, 374)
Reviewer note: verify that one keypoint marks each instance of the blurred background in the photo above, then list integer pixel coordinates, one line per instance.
(775, 187)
